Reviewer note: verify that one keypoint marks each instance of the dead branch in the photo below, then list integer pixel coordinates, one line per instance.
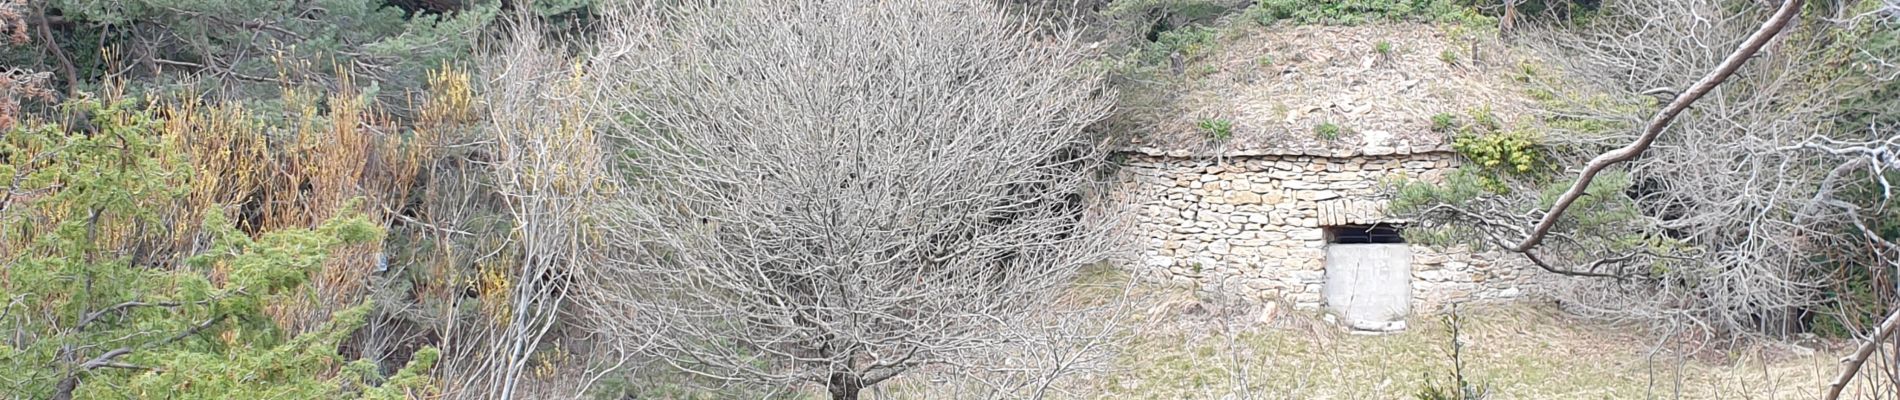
(94, 316)
(1851, 365)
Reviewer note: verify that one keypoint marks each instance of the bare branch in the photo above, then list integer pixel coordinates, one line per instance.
(1769, 29)
(1851, 365)
(104, 359)
(94, 316)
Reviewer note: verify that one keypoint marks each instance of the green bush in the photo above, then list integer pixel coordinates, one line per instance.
(194, 330)
(1515, 152)
(1354, 12)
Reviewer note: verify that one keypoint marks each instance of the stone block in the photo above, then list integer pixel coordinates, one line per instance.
(1316, 195)
(1302, 184)
(1159, 262)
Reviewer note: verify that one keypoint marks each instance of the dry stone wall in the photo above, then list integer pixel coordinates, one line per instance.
(1253, 226)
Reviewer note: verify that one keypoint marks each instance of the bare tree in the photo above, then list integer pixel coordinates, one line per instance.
(1744, 225)
(548, 167)
(1878, 158)
(1717, 229)
(839, 192)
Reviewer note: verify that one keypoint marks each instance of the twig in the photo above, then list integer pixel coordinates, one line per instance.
(94, 316)
(104, 359)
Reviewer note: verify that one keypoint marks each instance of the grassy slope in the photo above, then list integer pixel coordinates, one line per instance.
(1520, 352)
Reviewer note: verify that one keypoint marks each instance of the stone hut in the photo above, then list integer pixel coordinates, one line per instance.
(1289, 203)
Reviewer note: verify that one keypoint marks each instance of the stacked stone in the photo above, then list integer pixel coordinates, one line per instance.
(1252, 226)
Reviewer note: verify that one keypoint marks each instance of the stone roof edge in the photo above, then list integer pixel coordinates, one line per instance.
(1333, 153)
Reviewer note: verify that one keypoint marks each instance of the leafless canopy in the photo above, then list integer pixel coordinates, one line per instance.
(1756, 216)
(1724, 225)
(837, 192)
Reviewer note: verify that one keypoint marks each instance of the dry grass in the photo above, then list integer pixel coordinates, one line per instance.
(339, 148)
(1186, 347)
(334, 148)
(1181, 345)
(1276, 84)
(1519, 351)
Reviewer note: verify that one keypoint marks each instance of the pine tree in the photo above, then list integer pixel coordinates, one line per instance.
(88, 318)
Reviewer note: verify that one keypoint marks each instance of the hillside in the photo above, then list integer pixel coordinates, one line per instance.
(1379, 84)
(949, 199)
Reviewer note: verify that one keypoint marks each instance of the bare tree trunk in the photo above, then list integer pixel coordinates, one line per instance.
(845, 386)
(66, 387)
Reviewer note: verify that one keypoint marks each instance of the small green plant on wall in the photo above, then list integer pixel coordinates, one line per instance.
(1444, 122)
(1514, 151)
(1483, 118)
(1328, 131)
(1217, 128)
(1508, 153)
(1383, 48)
(1496, 153)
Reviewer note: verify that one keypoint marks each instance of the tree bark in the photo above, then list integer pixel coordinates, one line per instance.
(66, 69)
(845, 386)
(66, 387)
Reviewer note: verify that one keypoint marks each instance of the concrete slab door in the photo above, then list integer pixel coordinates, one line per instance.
(1368, 277)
